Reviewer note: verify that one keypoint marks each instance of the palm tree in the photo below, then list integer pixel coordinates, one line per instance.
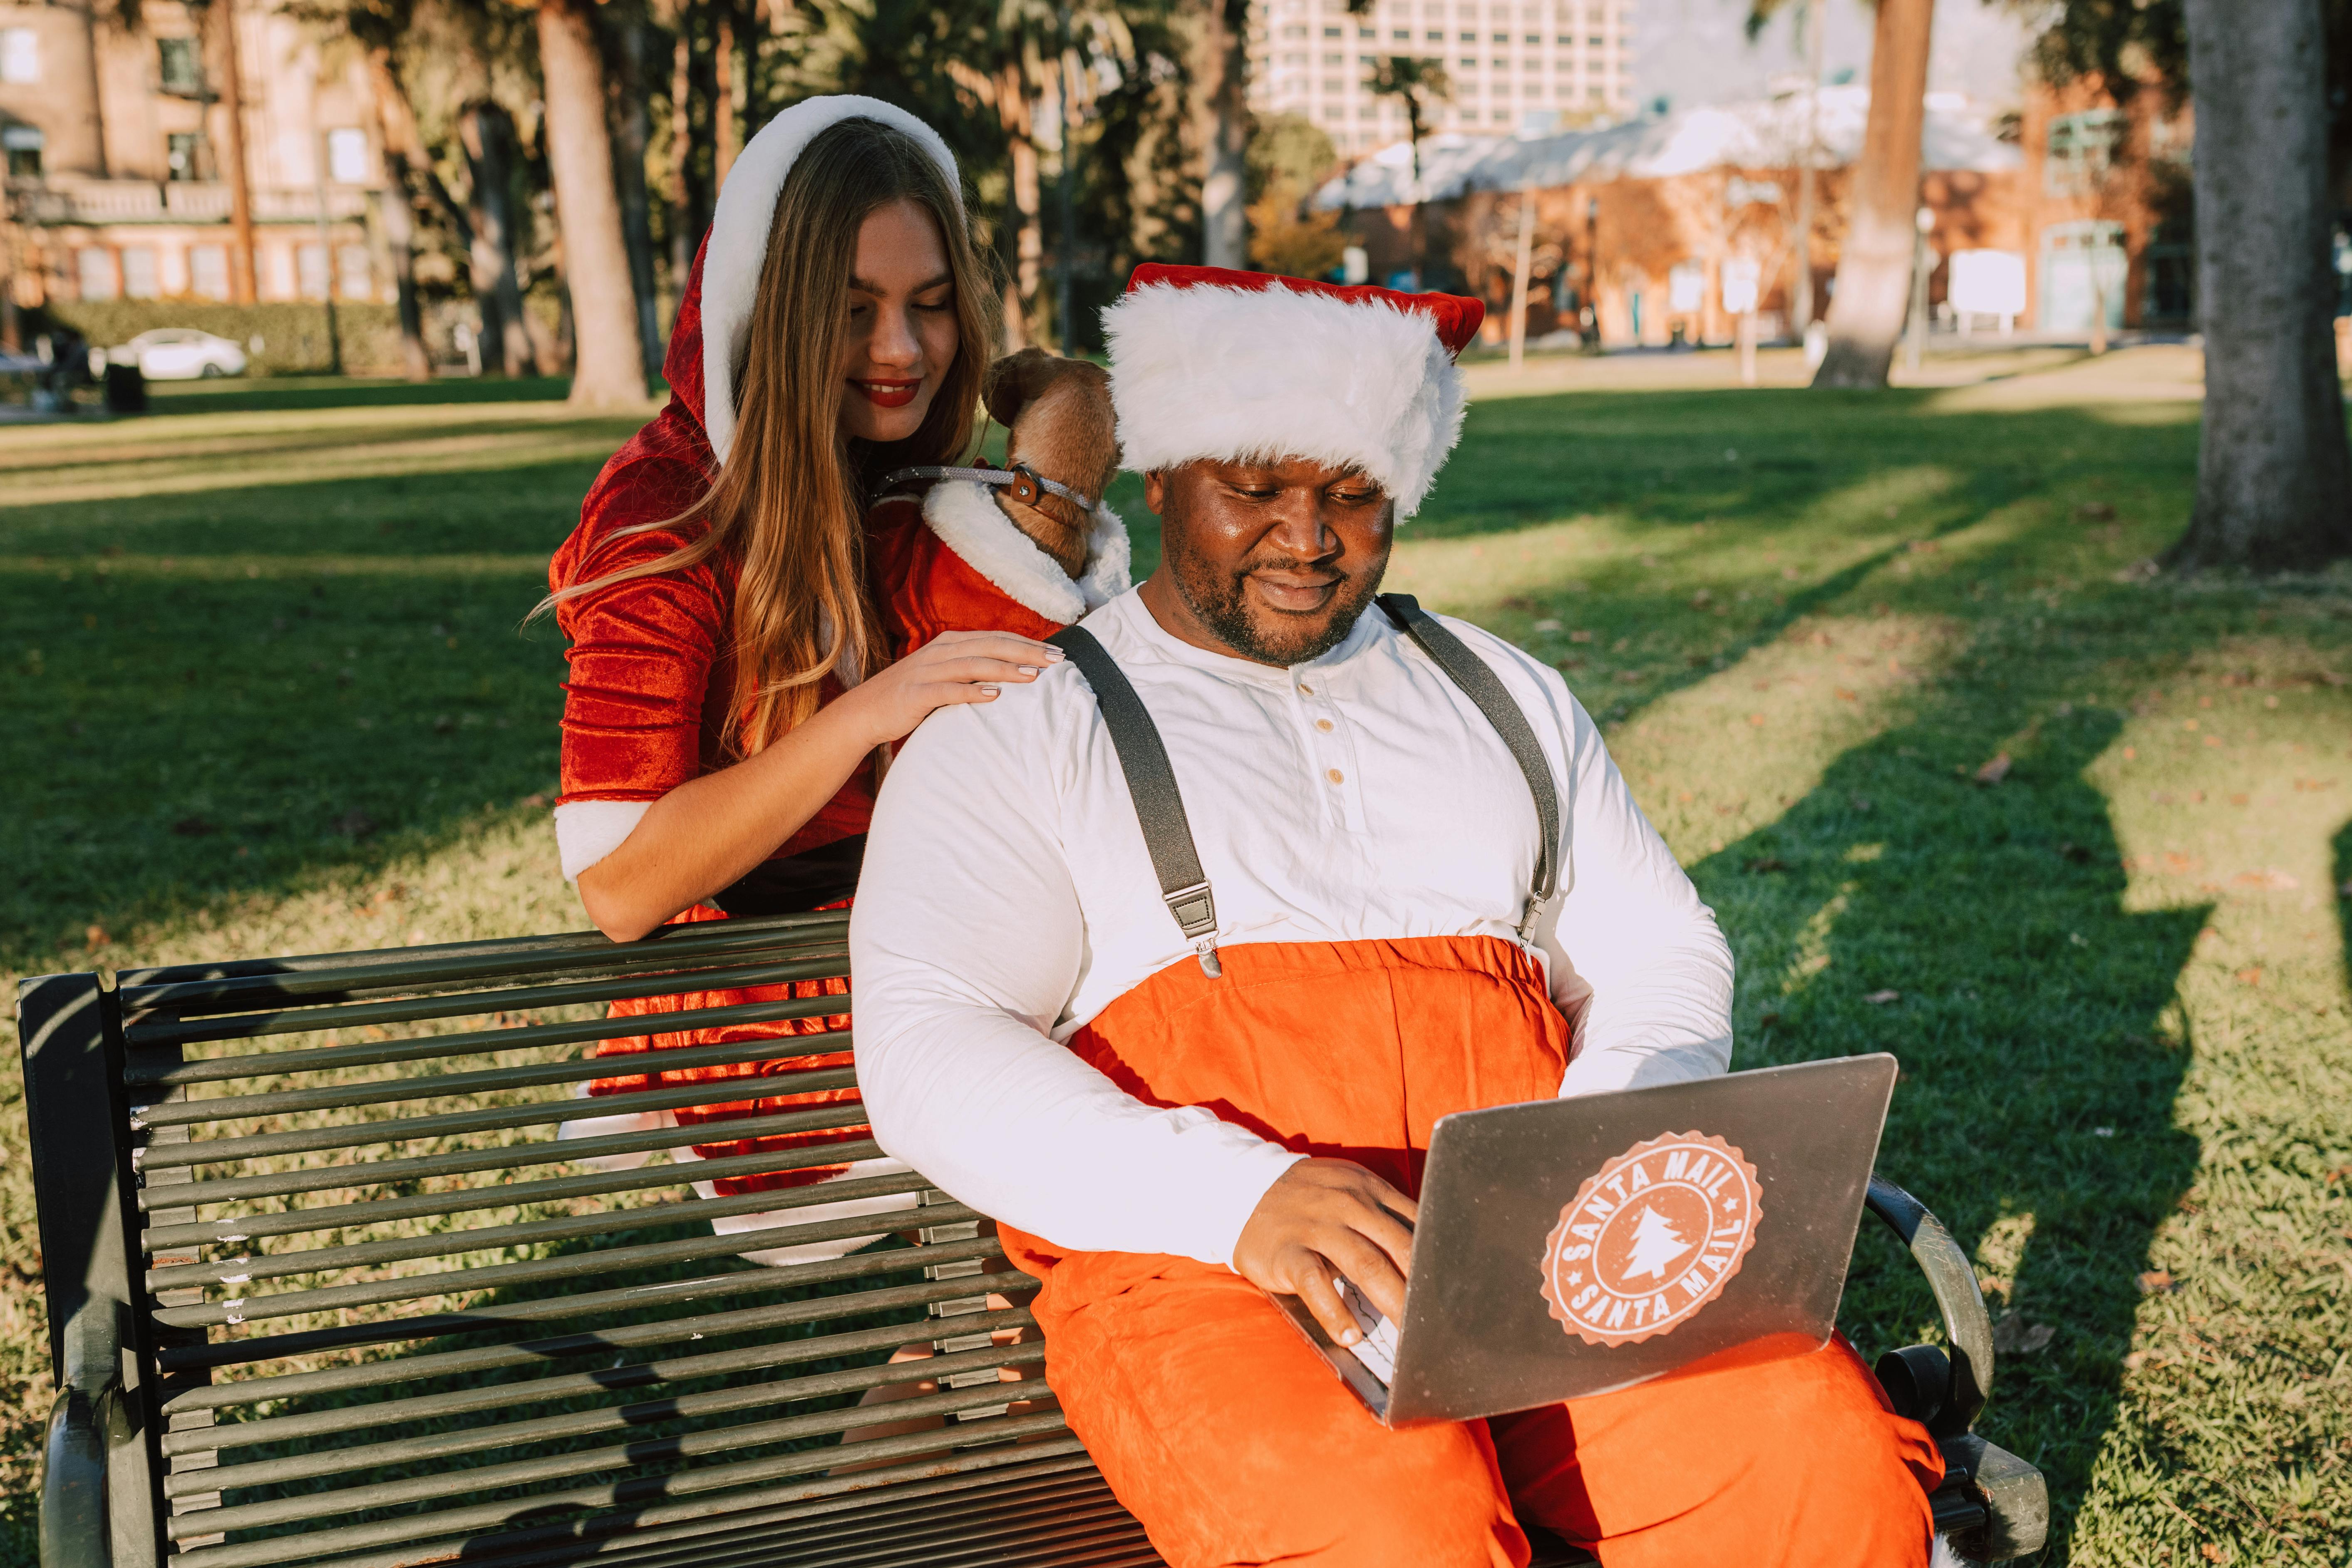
(2274, 478)
(1416, 82)
(610, 366)
(1874, 277)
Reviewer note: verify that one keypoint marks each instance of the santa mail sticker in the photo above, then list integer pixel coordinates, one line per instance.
(1651, 1238)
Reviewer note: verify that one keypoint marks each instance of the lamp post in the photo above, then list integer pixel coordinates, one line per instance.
(1915, 341)
(1592, 269)
(327, 265)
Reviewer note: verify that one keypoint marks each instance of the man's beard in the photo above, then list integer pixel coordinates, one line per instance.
(1220, 603)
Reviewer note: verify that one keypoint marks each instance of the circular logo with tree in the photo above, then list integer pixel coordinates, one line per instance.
(1650, 1239)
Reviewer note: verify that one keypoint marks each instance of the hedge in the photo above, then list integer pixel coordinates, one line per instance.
(293, 334)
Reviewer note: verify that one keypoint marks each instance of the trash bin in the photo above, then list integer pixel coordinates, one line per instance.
(126, 389)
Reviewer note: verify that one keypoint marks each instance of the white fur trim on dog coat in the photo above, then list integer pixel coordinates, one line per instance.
(1240, 373)
(740, 224)
(965, 514)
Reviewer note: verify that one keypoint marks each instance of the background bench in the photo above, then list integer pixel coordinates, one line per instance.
(324, 1289)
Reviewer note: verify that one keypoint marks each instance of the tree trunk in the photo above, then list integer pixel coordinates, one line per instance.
(682, 236)
(1873, 274)
(609, 368)
(632, 129)
(1028, 244)
(487, 131)
(96, 119)
(243, 286)
(1222, 118)
(396, 124)
(722, 98)
(2274, 474)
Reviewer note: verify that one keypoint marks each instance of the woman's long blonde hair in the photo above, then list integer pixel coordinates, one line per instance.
(787, 509)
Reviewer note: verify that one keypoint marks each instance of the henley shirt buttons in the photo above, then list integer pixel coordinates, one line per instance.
(1305, 689)
(1335, 775)
(1324, 725)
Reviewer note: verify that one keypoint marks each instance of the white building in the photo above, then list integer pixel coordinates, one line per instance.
(1511, 62)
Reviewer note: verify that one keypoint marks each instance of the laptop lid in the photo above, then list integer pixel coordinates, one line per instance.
(1571, 1247)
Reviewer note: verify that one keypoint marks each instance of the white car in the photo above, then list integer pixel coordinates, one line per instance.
(181, 353)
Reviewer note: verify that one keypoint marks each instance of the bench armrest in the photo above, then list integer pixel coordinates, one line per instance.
(77, 1530)
(1968, 1326)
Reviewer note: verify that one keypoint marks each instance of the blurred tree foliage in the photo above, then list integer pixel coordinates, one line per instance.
(1290, 158)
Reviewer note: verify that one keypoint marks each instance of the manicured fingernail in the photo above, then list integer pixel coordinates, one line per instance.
(987, 692)
(1054, 653)
(1350, 1337)
(1028, 669)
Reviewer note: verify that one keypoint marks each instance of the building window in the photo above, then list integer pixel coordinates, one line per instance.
(208, 271)
(180, 66)
(20, 56)
(2082, 150)
(24, 147)
(347, 156)
(139, 279)
(94, 269)
(354, 274)
(185, 156)
(310, 264)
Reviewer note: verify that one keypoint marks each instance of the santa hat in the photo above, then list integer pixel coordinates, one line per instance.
(737, 247)
(1207, 363)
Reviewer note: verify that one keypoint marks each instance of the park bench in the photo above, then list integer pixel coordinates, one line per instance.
(325, 1289)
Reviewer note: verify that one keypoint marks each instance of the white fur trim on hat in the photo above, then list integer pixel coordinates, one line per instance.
(741, 224)
(965, 514)
(1240, 374)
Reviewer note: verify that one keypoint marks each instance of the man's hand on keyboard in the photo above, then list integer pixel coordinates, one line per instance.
(1322, 1219)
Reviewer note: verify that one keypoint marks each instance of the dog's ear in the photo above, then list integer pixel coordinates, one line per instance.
(1012, 380)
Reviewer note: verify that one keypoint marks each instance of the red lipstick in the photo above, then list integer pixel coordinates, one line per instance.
(890, 393)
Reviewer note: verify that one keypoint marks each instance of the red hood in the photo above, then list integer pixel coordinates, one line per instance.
(667, 466)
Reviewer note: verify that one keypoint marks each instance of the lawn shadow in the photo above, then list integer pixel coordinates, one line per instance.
(1978, 932)
(277, 394)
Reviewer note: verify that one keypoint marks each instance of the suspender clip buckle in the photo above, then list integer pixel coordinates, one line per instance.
(1196, 916)
(1528, 921)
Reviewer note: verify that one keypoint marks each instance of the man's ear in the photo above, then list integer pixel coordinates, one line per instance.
(1155, 491)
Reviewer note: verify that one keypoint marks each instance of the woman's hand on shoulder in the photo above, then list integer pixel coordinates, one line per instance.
(954, 667)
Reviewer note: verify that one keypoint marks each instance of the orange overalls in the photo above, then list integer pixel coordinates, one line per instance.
(1233, 1442)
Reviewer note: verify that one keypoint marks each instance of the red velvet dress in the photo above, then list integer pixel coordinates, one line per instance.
(650, 668)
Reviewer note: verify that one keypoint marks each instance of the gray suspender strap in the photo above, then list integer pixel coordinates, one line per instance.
(1159, 807)
(1479, 683)
(1151, 783)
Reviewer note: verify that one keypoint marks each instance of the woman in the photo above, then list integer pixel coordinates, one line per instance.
(732, 691)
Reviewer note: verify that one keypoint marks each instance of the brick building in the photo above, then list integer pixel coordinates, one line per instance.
(116, 142)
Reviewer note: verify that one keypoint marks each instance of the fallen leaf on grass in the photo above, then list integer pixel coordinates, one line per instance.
(2278, 880)
(1581, 633)
(1756, 720)
(1993, 771)
(1881, 998)
(96, 937)
(2095, 512)
(2012, 1335)
(2155, 1282)
(1766, 863)
(2251, 976)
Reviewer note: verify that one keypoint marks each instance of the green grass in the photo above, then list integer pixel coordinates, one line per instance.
(265, 694)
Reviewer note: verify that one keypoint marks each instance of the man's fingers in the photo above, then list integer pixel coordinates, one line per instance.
(1381, 1280)
(1317, 1287)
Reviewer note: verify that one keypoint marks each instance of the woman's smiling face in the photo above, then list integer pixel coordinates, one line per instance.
(901, 336)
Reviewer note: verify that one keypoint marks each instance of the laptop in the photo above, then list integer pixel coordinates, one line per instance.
(1570, 1247)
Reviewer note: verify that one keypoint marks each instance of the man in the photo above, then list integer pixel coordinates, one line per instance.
(1167, 1125)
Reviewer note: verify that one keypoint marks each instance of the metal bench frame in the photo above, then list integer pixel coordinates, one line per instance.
(160, 1291)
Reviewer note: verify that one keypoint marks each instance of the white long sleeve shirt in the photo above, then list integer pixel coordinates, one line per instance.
(1007, 898)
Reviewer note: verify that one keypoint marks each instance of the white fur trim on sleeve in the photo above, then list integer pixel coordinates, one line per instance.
(588, 830)
(739, 228)
(1237, 374)
(965, 516)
